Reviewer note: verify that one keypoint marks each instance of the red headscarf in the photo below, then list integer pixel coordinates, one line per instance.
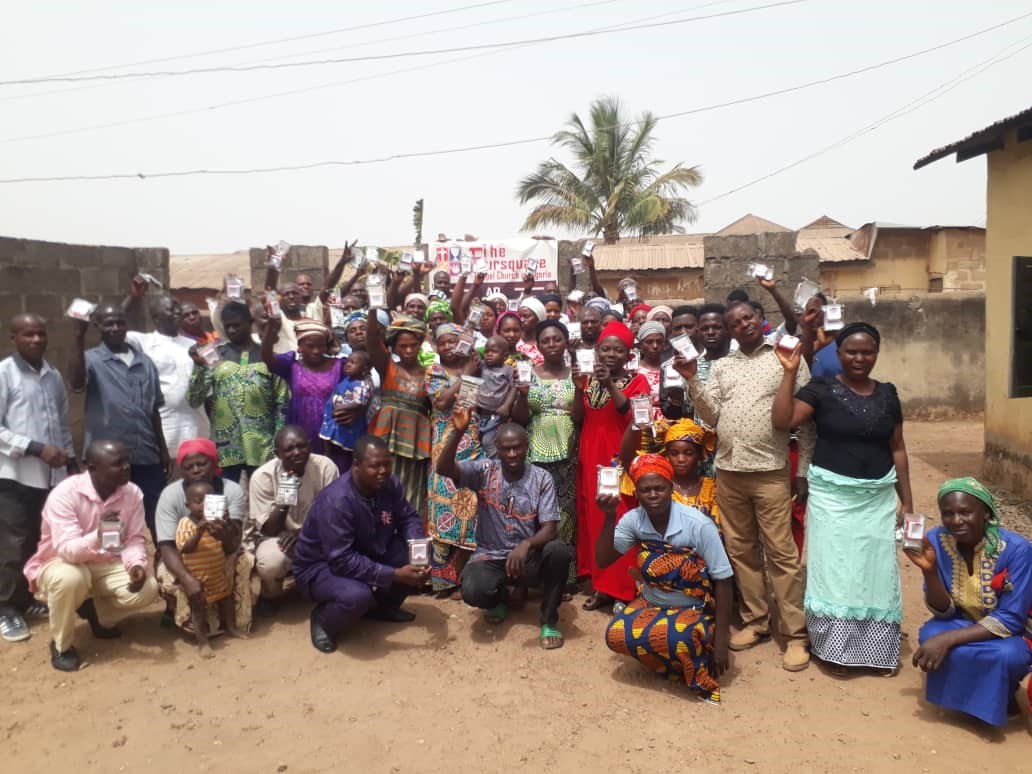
(620, 331)
(646, 464)
(199, 446)
(638, 308)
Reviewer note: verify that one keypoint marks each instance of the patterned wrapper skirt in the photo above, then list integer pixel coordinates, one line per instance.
(564, 474)
(245, 586)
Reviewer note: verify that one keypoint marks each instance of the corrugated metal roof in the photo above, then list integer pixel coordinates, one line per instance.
(207, 271)
(681, 251)
(829, 248)
(751, 224)
(983, 141)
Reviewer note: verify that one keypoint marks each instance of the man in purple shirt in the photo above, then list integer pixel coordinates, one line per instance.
(351, 556)
(517, 527)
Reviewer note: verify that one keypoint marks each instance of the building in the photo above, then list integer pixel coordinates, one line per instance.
(1007, 145)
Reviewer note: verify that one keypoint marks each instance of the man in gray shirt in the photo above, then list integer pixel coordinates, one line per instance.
(517, 527)
(123, 395)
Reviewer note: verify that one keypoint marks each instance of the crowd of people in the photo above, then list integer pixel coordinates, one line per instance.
(480, 447)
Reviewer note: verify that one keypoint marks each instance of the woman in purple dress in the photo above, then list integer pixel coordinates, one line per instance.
(312, 373)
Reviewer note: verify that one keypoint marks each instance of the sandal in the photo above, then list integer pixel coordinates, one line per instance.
(597, 601)
(496, 614)
(551, 637)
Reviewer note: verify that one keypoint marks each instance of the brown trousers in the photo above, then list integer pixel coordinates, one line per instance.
(754, 507)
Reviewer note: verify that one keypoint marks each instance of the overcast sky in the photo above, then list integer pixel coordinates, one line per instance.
(488, 97)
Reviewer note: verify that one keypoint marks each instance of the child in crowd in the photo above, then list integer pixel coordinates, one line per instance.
(497, 392)
(348, 411)
(205, 558)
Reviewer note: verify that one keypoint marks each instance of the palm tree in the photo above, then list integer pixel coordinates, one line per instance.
(615, 186)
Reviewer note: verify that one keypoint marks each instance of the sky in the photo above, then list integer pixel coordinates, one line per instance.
(366, 110)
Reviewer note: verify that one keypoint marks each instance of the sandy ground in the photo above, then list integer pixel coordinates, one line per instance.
(448, 693)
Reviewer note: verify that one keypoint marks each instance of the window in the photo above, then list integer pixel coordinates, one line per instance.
(1021, 348)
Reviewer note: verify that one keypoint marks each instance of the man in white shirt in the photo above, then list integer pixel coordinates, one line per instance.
(36, 454)
(169, 350)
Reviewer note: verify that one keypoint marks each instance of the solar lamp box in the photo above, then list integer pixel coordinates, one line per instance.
(419, 552)
(338, 316)
(480, 265)
(685, 346)
(469, 390)
(214, 507)
(376, 291)
(760, 271)
(272, 303)
(641, 408)
(588, 249)
(286, 490)
(633, 361)
(111, 535)
(476, 313)
(609, 480)
(465, 344)
(575, 296)
(80, 309)
(834, 317)
(805, 290)
(788, 342)
(234, 287)
(586, 360)
(524, 371)
(574, 329)
(671, 377)
(631, 291)
(405, 264)
(279, 252)
(913, 531)
(418, 256)
(209, 354)
(372, 255)
(513, 304)
(358, 258)
(577, 265)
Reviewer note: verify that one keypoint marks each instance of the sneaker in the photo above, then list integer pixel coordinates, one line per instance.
(37, 610)
(66, 661)
(13, 628)
(797, 656)
(746, 638)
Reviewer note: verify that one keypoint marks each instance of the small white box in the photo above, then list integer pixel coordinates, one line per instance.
(80, 309)
(609, 479)
(685, 346)
(586, 361)
(788, 342)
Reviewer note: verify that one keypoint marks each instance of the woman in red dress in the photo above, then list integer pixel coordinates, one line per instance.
(601, 405)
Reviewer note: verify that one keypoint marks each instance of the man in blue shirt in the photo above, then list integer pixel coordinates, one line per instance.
(123, 395)
(517, 527)
(352, 555)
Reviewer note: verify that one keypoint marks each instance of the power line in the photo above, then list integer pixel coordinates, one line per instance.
(275, 41)
(915, 104)
(397, 54)
(531, 140)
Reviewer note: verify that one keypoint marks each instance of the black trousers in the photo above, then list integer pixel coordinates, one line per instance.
(20, 509)
(485, 584)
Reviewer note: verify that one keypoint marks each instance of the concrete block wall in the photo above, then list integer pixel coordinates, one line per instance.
(728, 258)
(44, 277)
(312, 260)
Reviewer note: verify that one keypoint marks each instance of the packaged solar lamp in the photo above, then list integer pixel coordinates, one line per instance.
(760, 271)
(588, 249)
(532, 268)
(406, 261)
(209, 354)
(631, 292)
(372, 256)
(466, 263)
(913, 531)
(834, 315)
(804, 291)
(279, 252)
(671, 377)
(575, 296)
(358, 258)
(788, 342)
(577, 265)
(641, 409)
(469, 390)
(376, 290)
(476, 313)
(234, 287)
(272, 303)
(338, 317)
(287, 488)
(513, 304)
(465, 343)
(524, 371)
(418, 256)
(80, 309)
(586, 361)
(214, 507)
(684, 345)
(633, 361)
(574, 329)
(419, 552)
(110, 535)
(480, 265)
(609, 480)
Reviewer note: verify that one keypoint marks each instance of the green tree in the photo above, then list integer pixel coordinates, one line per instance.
(417, 223)
(613, 185)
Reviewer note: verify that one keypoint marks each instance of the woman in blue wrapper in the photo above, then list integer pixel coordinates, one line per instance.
(978, 585)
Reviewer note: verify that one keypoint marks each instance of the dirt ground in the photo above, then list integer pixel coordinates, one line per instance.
(449, 693)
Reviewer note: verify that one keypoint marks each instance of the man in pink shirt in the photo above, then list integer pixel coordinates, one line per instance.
(72, 571)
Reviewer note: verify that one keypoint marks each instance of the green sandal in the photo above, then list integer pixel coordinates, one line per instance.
(551, 638)
(496, 614)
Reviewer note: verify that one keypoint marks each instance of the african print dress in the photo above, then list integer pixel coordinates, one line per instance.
(601, 434)
(248, 406)
(672, 641)
(451, 512)
(981, 678)
(309, 391)
(402, 422)
(552, 437)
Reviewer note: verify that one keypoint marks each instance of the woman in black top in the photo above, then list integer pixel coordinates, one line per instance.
(853, 602)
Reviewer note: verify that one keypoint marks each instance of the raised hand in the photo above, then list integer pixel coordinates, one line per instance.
(789, 360)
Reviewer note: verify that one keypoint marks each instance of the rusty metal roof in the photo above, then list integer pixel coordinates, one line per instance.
(207, 271)
(751, 224)
(984, 140)
(680, 251)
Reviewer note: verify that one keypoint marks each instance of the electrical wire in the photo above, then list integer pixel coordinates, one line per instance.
(397, 54)
(532, 140)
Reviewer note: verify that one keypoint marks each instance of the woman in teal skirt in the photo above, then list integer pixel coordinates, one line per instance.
(853, 601)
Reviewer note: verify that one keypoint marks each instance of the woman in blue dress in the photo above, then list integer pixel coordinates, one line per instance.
(978, 585)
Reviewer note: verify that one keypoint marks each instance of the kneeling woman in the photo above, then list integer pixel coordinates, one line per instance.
(978, 585)
(678, 624)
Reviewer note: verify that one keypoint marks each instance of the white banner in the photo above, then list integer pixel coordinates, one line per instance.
(507, 260)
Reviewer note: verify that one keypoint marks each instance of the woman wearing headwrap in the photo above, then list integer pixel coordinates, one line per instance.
(978, 585)
(601, 405)
(416, 305)
(652, 339)
(686, 446)
(451, 512)
(853, 601)
(678, 624)
(198, 460)
(402, 418)
(637, 315)
(438, 312)
(497, 301)
(531, 312)
(661, 314)
(312, 372)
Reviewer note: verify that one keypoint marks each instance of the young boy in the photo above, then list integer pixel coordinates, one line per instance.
(206, 560)
(346, 416)
(497, 393)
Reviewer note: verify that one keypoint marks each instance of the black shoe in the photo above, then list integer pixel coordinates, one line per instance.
(67, 661)
(391, 614)
(320, 637)
(88, 613)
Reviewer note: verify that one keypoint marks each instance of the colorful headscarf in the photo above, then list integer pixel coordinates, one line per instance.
(497, 296)
(598, 303)
(638, 308)
(353, 318)
(445, 329)
(305, 327)
(649, 328)
(619, 331)
(647, 464)
(687, 430)
(535, 306)
(438, 306)
(203, 446)
(503, 317)
(658, 310)
(405, 325)
(417, 297)
(978, 490)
